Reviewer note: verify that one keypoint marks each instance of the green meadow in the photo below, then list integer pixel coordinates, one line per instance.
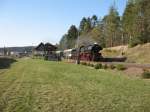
(32, 85)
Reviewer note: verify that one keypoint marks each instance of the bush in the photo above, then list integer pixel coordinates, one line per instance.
(120, 67)
(146, 74)
(88, 64)
(83, 63)
(98, 66)
(6, 62)
(92, 65)
(112, 66)
(105, 66)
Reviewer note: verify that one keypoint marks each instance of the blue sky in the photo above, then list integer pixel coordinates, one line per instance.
(29, 22)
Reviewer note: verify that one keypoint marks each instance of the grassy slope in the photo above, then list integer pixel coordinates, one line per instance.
(138, 54)
(40, 86)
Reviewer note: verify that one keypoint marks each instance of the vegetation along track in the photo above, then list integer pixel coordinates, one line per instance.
(43, 86)
(130, 64)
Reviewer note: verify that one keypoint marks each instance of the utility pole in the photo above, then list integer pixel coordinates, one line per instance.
(5, 51)
(32, 50)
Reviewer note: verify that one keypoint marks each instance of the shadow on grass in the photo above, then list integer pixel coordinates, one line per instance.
(6, 62)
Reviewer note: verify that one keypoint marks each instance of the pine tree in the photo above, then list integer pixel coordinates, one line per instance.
(72, 36)
(69, 40)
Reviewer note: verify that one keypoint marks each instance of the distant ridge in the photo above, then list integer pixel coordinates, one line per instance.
(18, 49)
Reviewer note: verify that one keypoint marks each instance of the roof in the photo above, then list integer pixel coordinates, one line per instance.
(45, 47)
(50, 47)
(40, 47)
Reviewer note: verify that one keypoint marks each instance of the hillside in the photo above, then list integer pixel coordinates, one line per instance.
(18, 49)
(138, 54)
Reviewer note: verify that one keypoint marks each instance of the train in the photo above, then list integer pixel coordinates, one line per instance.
(84, 53)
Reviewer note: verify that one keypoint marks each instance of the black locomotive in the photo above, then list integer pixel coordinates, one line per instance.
(85, 53)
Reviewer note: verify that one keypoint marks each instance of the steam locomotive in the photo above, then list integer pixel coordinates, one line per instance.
(85, 53)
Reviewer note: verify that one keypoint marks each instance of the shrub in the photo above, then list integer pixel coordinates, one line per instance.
(112, 66)
(83, 63)
(146, 74)
(92, 65)
(105, 66)
(98, 66)
(88, 64)
(120, 67)
(6, 62)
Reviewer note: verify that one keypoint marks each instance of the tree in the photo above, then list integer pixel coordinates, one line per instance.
(72, 36)
(132, 28)
(94, 21)
(85, 25)
(112, 27)
(63, 42)
(82, 25)
(69, 40)
(129, 20)
(136, 21)
(97, 33)
(144, 6)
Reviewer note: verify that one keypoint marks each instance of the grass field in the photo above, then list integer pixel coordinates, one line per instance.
(42, 86)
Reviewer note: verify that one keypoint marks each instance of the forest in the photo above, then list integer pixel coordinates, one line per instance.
(132, 28)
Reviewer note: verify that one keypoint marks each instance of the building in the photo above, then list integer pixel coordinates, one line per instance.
(39, 50)
(48, 51)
